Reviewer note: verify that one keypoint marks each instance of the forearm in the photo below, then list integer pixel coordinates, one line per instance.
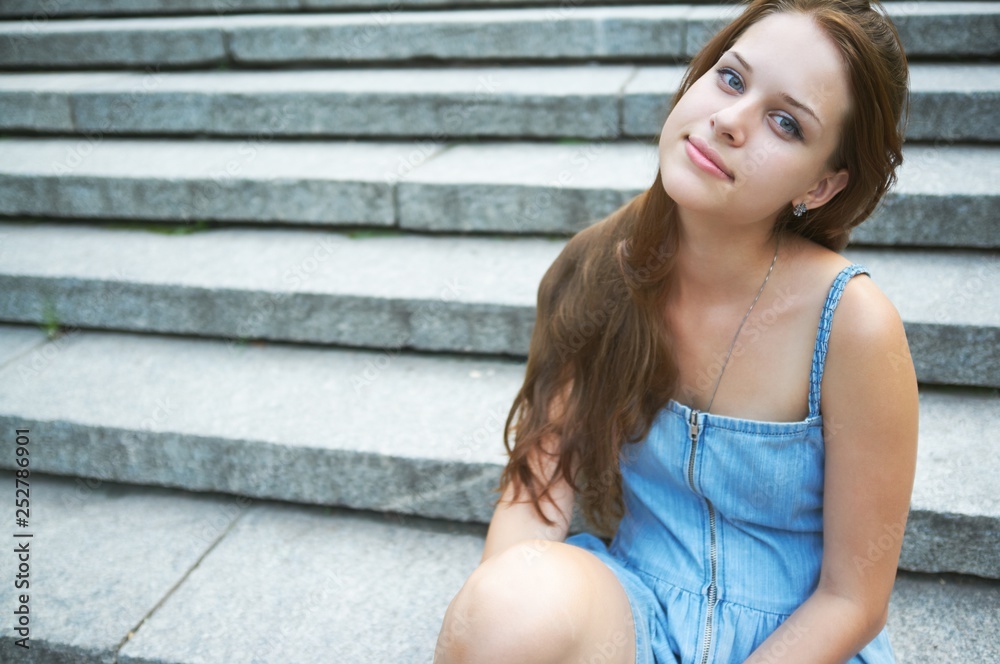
(825, 629)
(517, 522)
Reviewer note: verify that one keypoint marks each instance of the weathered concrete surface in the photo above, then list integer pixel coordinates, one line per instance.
(389, 431)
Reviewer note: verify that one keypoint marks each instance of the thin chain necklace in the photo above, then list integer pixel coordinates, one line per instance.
(733, 344)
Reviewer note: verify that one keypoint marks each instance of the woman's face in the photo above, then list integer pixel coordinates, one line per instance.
(747, 113)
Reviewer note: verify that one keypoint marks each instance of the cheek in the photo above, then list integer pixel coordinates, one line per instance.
(690, 107)
(683, 120)
(695, 105)
(780, 162)
(764, 156)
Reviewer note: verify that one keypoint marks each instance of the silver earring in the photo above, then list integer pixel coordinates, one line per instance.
(800, 209)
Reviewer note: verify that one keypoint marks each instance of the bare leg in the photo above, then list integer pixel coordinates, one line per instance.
(539, 602)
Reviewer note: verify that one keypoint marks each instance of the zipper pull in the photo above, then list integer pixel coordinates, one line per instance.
(693, 423)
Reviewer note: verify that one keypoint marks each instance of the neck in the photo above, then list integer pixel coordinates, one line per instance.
(720, 262)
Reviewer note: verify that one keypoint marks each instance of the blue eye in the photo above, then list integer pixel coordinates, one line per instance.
(791, 127)
(731, 78)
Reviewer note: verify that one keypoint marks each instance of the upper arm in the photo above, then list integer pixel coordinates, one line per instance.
(870, 411)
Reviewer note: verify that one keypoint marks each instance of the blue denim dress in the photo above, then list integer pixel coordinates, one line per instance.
(722, 537)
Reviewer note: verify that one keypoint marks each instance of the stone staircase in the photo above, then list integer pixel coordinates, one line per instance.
(267, 281)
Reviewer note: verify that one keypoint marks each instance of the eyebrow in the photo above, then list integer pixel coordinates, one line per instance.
(784, 95)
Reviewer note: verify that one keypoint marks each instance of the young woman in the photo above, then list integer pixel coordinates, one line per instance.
(729, 400)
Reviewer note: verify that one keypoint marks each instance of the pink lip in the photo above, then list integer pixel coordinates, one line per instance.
(706, 158)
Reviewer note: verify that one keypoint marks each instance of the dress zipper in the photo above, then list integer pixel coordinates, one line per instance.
(712, 589)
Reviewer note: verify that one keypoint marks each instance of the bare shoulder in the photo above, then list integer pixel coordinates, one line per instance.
(869, 370)
(865, 322)
(862, 301)
(869, 394)
(865, 319)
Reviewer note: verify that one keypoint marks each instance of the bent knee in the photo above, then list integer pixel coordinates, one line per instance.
(527, 603)
(526, 575)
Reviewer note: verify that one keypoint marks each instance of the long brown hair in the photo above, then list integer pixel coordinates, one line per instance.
(600, 347)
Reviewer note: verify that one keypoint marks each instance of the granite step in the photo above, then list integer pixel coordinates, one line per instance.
(390, 432)
(135, 575)
(289, 541)
(406, 291)
(666, 33)
(945, 196)
(949, 102)
(142, 574)
(40, 12)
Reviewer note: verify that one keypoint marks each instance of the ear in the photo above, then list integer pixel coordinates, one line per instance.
(826, 188)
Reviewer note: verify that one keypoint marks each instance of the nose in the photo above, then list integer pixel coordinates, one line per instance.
(729, 123)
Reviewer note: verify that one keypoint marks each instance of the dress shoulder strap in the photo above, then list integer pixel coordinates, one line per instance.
(823, 333)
